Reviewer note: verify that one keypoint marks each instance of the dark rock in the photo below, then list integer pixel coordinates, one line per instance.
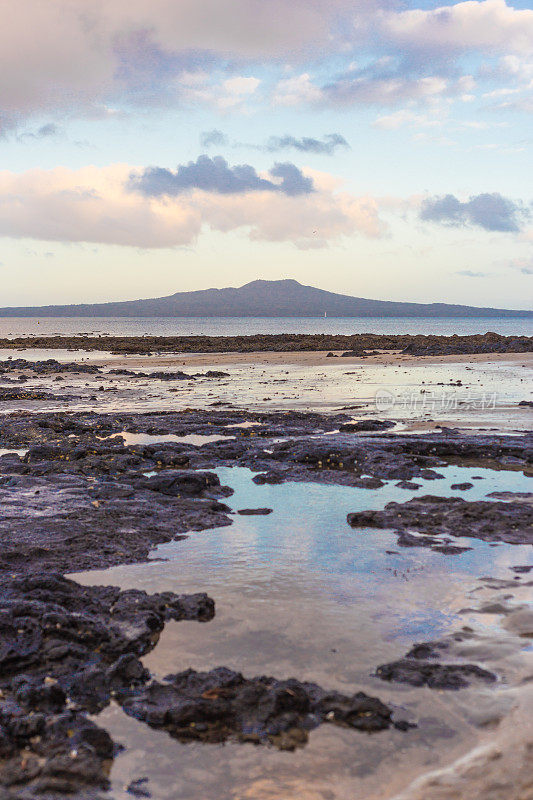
(368, 483)
(254, 511)
(427, 650)
(138, 788)
(57, 755)
(521, 496)
(223, 705)
(181, 483)
(7, 395)
(58, 640)
(367, 425)
(355, 344)
(436, 676)
(487, 520)
(272, 476)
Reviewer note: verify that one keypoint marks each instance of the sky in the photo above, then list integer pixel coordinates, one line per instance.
(376, 148)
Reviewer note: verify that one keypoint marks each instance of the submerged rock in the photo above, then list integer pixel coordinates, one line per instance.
(420, 668)
(436, 676)
(223, 705)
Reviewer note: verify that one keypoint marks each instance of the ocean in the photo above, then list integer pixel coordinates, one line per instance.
(242, 326)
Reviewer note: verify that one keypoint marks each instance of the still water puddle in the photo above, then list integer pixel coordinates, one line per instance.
(195, 439)
(299, 593)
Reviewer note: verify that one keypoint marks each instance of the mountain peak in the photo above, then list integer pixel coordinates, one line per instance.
(281, 282)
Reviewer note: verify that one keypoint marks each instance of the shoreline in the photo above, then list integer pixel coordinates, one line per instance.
(357, 344)
(303, 358)
(313, 358)
(418, 392)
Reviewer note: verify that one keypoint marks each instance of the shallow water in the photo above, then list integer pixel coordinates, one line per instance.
(242, 326)
(299, 593)
(146, 438)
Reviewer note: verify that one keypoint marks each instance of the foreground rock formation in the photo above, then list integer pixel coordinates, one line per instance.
(78, 498)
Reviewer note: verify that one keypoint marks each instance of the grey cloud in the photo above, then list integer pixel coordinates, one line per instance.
(468, 273)
(523, 265)
(394, 78)
(214, 138)
(493, 212)
(215, 175)
(305, 144)
(50, 130)
(148, 72)
(325, 146)
(293, 181)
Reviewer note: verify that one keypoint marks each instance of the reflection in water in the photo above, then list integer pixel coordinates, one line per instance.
(196, 439)
(299, 593)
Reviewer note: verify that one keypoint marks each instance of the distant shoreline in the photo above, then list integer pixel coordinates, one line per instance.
(266, 300)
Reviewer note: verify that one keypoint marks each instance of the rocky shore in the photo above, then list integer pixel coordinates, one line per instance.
(79, 498)
(357, 345)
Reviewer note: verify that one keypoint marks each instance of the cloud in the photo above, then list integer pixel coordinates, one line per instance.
(328, 145)
(392, 81)
(523, 265)
(215, 175)
(293, 181)
(468, 273)
(96, 57)
(214, 138)
(84, 56)
(493, 212)
(398, 119)
(475, 25)
(296, 91)
(95, 204)
(47, 131)
(232, 94)
(422, 56)
(517, 68)
(325, 146)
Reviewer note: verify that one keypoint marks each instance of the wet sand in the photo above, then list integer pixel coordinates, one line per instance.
(469, 392)
(317, 359)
